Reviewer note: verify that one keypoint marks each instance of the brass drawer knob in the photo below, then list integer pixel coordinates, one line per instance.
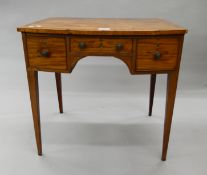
(44, 53)
(157, 55)
(119, 46)
(82, 45)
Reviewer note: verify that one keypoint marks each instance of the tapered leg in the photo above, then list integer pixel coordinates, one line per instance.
(59, 90)
(170, 99)
(152, 92)
(34, 97)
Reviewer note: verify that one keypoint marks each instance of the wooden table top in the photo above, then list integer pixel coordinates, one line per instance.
(103, 26)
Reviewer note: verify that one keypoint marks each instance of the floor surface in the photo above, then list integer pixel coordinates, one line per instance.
(103, 134)
(105, 129)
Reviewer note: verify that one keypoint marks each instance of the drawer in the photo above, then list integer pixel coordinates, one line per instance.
(46, 52)
(101, 45)
(157, 54)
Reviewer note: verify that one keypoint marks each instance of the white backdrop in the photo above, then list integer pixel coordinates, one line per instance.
(105, 128)
(190, 14)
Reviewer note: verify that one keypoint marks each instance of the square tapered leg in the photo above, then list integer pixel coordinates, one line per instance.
(59, 91)
(34, 97)
(152, 92)
(170, 100)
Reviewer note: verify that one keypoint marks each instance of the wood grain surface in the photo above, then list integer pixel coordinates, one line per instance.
(102, 45)
(56, 48)
(103, 26)
(167, 47)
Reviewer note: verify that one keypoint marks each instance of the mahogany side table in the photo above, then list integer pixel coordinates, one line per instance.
(146, 46)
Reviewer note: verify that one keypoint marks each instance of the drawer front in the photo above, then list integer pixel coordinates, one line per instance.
(101, 45)
(157, 54)
(45, 52)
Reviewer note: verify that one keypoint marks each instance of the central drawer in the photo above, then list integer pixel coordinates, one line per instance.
(101, 45)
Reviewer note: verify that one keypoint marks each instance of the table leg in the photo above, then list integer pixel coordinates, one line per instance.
(59, 90)
(34, 97)
(152, 91)
(170, 99)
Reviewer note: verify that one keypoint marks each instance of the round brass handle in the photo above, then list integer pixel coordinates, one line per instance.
(119, 46)
(45, 53)
(157, 55)
(82, 45)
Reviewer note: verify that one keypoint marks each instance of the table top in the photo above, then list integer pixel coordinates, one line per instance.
(103, 26)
